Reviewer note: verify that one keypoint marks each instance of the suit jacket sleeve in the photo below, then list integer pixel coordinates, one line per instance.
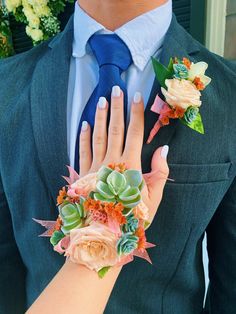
(12, 271)
(221, 246)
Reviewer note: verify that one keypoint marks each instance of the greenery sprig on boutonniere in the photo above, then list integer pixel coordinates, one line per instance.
(181, 85)
(6, 48)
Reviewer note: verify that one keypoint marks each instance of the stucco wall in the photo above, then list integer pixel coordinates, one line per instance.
(230, 34)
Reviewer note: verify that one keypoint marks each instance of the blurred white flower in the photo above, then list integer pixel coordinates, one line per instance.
(34, 33)
(198, 70)
(11, 5)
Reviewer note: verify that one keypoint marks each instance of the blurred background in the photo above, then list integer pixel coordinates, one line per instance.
(211, 22)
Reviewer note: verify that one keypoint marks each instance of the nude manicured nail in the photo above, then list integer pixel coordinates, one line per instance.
(137, 97)
(164, 151)
(102, 103)
(84, 126)
(115, 91)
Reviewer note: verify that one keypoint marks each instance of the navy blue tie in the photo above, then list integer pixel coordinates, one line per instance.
(113, 57)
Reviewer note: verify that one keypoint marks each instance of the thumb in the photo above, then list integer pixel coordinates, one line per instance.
(156, 179)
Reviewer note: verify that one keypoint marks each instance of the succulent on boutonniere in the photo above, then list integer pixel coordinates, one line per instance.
(181, 85)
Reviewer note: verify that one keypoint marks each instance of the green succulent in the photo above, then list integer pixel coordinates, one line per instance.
(131, 225)
(113, 186)
(127, 244)
(191, 114)
(181, 71)
(72, 216)
(56, 237)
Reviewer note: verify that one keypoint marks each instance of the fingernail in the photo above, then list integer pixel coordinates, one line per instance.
(102, 102)
(137, 97)
(164, 151)
(115, 91)
(84, 126)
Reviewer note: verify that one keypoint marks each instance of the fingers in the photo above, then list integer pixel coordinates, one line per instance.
(100, 132)
(85, 153)
(156, 180)
(134, 139)
(116, 126)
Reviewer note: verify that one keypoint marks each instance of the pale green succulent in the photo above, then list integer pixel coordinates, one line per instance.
(131, 224)
(125, 188)
(72, 216)
(127, 244)
(56, 237)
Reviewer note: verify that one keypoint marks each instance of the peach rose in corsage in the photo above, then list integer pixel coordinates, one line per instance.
(141, 211)
(83, 186)
(181, 93)
(93, 246)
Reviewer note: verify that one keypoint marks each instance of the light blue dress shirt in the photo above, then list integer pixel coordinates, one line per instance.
(144, 36)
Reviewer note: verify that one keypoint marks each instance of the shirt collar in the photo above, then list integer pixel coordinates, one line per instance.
(143, 35)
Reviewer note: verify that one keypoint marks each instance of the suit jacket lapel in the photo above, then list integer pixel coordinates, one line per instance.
(48, 108)
(178, 43)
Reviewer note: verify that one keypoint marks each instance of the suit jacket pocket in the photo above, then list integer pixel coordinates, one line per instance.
(199, 173)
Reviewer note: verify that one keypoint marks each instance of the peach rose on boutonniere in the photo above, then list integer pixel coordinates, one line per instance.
(93, 246)
(181, 93)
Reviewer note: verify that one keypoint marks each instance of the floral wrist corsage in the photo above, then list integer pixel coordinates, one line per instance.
(102, 219)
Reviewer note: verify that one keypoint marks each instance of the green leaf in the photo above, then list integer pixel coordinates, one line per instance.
(170, 66)
(162, 73)
(102, 272)
(146, 224)
(196, 125)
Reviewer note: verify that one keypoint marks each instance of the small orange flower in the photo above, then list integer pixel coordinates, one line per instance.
(121, 167)
(165, 120)
(172, 114)
(74, 199)
(56, 227)
(58, 224)
(111, 209)
(91, 204)
(140, 233)
(115, 211)
(179, 112)
(187, 63)
(61, 197)
(198, 83)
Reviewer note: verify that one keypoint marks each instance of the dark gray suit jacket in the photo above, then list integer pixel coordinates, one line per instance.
(33, 155)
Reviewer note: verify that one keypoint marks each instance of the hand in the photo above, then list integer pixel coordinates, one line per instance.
(109, 148)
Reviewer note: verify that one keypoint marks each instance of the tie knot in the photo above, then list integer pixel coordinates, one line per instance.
(110, 49)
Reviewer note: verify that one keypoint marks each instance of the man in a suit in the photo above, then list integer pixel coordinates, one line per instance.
(43, 93)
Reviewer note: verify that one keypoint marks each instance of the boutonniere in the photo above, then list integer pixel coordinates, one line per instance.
(181, 85)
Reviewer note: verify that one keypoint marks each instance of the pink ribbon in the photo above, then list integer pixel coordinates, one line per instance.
(160, 107)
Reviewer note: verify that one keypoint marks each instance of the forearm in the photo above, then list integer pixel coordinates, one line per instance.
(76, 289)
